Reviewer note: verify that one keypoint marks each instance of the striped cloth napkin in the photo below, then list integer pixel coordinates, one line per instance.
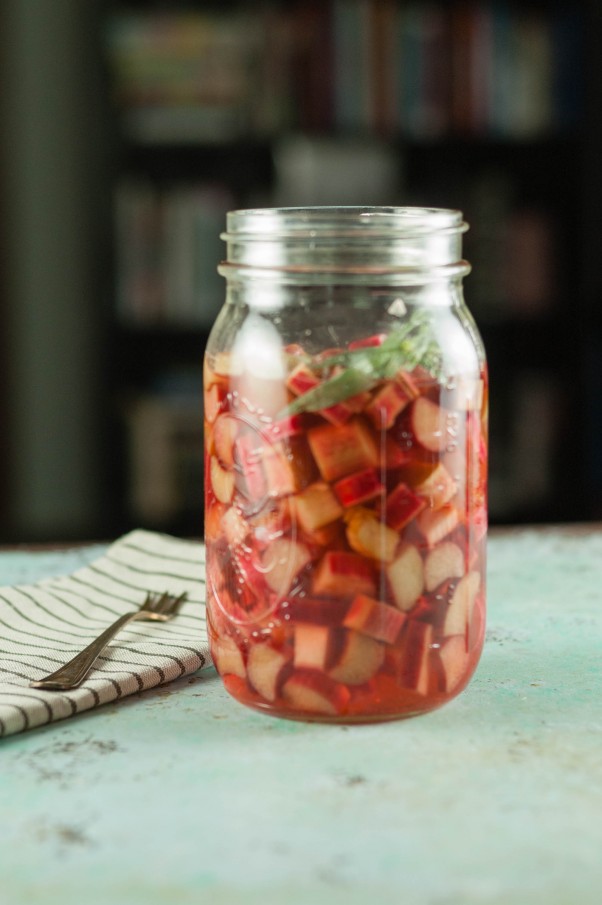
(43, 625)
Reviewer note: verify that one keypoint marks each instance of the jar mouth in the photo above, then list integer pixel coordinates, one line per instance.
(257, 224)
(344, 240)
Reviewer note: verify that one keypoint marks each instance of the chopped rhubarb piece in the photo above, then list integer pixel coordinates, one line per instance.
(359, 660)
(423, 610)
(227, 657)
(367, 342)
(394, 455)
(408, 384)
(423, 679)
(296, 452)
(415, 656)
(438, 488)
(331, 535)
(358, 487)
(480, 520)
(225, 430)
(284, 428)
(315, 610)
(280, 472)
(234, 526)
(272, 521)
(454, 462)
(369, 536)
(213, 521)
(476, 626)
(375, 619)
(443, 562)
(222, 481)
(424, 381)
(459, 611)
(402, 506)
(435, 524)
(316, 506)
(358, 403)
(312, 691)
(454, 659)
(264, 668)
(406, 576)
(417, 471)
(313, 646)
(386, 405)
(342, 574)
(282, 561)
(289, 466)
(337, 414)
(247, 579)
(428, 424)
(215, 401)
(217, 620)
(339, 451)
(249, 452)
(302, 379)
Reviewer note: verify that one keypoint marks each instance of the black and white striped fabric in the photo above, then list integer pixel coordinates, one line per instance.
(43, 625)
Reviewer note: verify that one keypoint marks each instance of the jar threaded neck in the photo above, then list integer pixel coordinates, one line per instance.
(393, 242)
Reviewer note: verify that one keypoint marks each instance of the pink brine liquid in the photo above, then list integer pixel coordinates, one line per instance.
(345, 546)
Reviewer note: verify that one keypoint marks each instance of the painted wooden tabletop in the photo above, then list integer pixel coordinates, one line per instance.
(181, 795)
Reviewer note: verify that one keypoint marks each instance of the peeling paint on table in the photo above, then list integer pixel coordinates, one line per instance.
(180, 795)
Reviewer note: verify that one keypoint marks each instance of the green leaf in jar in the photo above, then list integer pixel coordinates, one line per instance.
(407, 346)
(344, 385)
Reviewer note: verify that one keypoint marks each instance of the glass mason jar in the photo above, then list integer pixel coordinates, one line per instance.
(345, 396)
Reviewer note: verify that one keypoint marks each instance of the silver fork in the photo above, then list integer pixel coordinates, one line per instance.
(156, 607)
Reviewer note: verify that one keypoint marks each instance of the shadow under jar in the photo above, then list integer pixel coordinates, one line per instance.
(345, 394)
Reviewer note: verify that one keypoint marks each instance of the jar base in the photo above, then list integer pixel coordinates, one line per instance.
(413, 706)
(345, 719)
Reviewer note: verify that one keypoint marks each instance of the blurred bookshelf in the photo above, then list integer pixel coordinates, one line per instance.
(484, 106)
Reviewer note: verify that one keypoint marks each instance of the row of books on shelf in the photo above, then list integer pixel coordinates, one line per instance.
(168, 248)
(424, 69)
(190, 75)
(428, 69)
(525, 431)
(513, 249)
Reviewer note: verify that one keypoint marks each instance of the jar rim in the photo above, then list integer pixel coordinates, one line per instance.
(410, 242)
(344, 222)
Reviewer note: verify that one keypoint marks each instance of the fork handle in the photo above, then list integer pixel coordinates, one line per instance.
(75, 671)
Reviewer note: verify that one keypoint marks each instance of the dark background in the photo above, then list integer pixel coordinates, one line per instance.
(113, 165)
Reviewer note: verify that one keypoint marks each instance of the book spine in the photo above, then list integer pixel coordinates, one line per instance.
(348, 65)
(168, 250)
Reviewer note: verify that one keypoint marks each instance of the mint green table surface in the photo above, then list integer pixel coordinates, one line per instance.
(181, 795)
